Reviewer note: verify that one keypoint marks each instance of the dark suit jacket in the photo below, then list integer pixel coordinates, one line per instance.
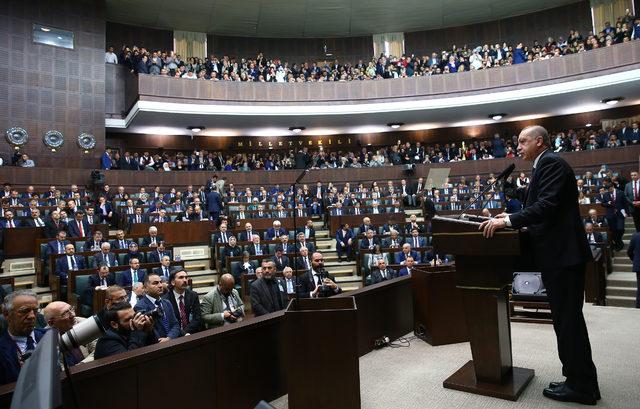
(125, 279)
(94, 281)
(376, 275)
(74, 231)
(16, 223)
(614, 209)
(634, 251)
(308, 285)
(251, 248)
(312, 231)
(552, 215)
(9, 364)
(144, 304)
(147, 240)
(51, 230)
(90, 244)
(271, 233)
(115, 244)
(31, 222)
(214, 202)
(155, 257)
(52, 246)
(261, 300)
(111, 343)
(98, 258)
(244, 236)
(400, 256)
(62, 267)
(192, 308)
(364, 242)
(281, 266)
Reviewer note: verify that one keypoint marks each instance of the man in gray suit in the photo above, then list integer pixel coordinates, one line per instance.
(222, 305)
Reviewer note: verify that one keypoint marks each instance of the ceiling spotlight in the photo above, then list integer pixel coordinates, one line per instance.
(612, 101)
(45, 29)
(195, 129)
(395, 125)
(588, 125)
(497, 117)
(297, 129)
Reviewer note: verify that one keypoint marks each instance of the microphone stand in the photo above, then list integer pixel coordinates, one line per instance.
(295, 231)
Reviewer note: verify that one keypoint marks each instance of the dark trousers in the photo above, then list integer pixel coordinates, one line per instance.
(616, 225)
(635, 213)
(638, 290)
(565, 290)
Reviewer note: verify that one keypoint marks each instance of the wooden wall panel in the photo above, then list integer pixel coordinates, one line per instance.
(118, 34)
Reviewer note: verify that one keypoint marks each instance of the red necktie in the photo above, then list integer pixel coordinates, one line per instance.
(183, 313)
(80, 229)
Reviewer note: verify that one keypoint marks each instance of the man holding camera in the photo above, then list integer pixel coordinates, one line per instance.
(166, 325)
(19, 341)
(222, 305)
(127, 330)
(62, 316)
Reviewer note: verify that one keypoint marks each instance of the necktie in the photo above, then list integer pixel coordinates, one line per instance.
(103, 282)
(11, 224)
(306, 263)
(224, 237)
(74, 265)
(80, 229)
(289, 286)
(165, 320)
(138, 218)
(258, 251)
(60, 248)
(166, 272)
(183, 313)
(384, 274)
(242, 215)
(90, 220)
(106, 260)
(122, 244)
(134, 276)
(153, 240)
(415, 242)
(31, 345)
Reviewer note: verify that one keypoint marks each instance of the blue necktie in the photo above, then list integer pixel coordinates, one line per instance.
(165, 320)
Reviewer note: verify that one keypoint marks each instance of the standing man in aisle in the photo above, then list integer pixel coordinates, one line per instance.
(560, 250)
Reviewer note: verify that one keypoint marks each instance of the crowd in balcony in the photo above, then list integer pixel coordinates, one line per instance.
(402, 153)
(457, 59)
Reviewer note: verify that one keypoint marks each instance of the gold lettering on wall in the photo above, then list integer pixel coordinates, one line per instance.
(301, 142)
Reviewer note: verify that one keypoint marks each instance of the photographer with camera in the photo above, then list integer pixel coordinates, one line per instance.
(62, 316)
(127, 330)
(18, 342)
(317, 282)
(222, 305)
(166, 325)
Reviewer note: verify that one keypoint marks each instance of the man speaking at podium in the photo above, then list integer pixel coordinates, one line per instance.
(560, 250)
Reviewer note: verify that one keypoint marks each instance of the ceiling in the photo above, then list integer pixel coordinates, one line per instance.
(307, 18)
(567, 98)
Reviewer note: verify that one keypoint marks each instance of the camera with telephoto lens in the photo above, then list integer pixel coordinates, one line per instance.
(156, 314)
(82, 333)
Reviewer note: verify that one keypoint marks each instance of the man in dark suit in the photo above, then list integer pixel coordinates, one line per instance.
(133, 275)
(632, 196)
(120, 242)
(634, 254)
(166, 326)
(393, 241)
(102, 279)
(281, 260)
(20, 339)
(70, 262)
(344, 242)
(9, 222)
(382, 273)
(78, 227)
(308, 230)
(302, 242)
(126, 330)
(267, 293)
(94, 243)
(614, 204)
(593, 237)
(560, 250)
(185, 303)
(53, 225)
(276, 231)
(369, 241)
(317, 282)
(214, 204)
(159, 253)
(58, 245)
(164, 271)
(222, 236)
(257, 249)
(303, 262)
(35, 220)
(247, 234)
(138, 216)
(153, 239)
(407, 251)
(105, 256)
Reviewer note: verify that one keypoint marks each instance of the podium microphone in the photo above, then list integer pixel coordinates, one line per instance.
(502, 176)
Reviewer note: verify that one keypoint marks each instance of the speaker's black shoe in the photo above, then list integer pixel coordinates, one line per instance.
(565, 394)
(556, 385)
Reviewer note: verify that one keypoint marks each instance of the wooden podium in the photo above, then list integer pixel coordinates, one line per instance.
(484, 269)
(322, 359)
(438, 312)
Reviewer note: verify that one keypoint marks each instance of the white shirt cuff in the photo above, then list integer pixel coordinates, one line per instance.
(507, 221)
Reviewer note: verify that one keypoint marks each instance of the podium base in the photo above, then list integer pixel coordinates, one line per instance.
(513, 384)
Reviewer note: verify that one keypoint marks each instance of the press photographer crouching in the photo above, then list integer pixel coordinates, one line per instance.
(127, 330)
(19, 341)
